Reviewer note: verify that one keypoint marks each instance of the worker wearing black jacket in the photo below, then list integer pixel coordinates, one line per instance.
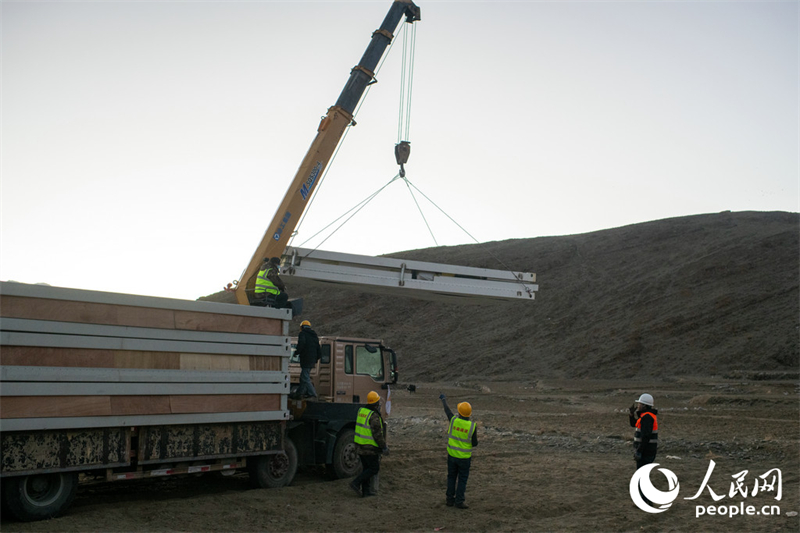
(645, 439)
(309, 352)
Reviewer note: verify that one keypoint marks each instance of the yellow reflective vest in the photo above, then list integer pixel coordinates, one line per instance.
(363, 430)
(459, 438)
(263, 284)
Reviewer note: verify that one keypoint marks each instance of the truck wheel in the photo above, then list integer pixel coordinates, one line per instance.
(345, 456)
(39, 497)
(274, 470)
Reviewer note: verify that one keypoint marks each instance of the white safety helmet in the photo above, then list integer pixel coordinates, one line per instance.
(646, 399)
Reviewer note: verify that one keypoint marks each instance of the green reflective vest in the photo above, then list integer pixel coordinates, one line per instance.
(459, 438)
(263, 284)
(363, 431)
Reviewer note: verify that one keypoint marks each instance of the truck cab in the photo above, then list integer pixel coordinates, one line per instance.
(349, 369)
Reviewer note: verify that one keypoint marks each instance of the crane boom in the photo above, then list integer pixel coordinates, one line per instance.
(329, 132)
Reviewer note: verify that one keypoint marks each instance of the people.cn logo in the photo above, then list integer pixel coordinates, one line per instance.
(642, 486)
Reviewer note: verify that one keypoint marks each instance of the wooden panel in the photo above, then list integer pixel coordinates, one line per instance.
(35, 424)
(132, 300)
(117, 388)
(104, 330)
(189, 361)
(152, 360)
(74, 357)
(197, 361)
(77, 406)
(87, 358)
(54, 406)
(266, 363)
(228, 323)
(225, 403)
(140, 405)
(15, 338)
(120, 315)
(84, 312)
(60, 374)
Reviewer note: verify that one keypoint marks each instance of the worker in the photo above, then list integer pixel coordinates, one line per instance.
(270, 290)
(462, 437)
(370, 439)
(642, 416)
(309, 352)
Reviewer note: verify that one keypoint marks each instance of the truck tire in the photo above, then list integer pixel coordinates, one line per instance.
(346, 463)
(274, 470)
(40, 496)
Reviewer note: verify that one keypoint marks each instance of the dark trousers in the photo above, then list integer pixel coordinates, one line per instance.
(457, 476)
(644, 460)
(306, 387)
(279, 301)
(371, 465)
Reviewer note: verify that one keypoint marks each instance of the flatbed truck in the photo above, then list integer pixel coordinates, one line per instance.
(106, 387)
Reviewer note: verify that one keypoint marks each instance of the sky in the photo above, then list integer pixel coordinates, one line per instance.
(146, 145)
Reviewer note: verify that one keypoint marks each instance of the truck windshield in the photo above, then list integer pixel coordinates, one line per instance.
(369, 363)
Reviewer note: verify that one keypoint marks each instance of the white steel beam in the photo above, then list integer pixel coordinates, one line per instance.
(417, 278)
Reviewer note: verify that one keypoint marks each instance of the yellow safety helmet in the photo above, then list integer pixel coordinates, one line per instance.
(373, 397)
(305, 323)
(464, 409)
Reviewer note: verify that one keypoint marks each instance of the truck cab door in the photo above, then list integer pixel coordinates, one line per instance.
(323, 373)
(360, 368)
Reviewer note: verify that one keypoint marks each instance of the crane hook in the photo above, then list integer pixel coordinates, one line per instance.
(401, 152)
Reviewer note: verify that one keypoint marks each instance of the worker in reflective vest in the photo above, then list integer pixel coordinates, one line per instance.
(462, 437)
(270, 290)
(370, 438)
(643, 417)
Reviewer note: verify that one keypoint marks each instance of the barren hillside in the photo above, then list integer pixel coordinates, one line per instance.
(698, 295)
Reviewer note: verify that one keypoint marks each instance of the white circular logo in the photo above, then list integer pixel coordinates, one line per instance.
(641, 485)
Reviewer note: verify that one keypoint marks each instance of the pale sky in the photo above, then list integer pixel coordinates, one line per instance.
(147, 145)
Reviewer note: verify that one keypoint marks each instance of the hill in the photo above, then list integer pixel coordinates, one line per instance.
(697, 295)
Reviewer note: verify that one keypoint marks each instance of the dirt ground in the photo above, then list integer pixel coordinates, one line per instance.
(552, 456)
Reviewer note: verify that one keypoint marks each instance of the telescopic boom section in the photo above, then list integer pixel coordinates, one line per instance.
(329, 133)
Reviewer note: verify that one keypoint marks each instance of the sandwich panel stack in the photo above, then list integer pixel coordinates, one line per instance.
(71, 358)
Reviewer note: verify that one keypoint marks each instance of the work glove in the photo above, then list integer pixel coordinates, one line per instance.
(442, 396)
(637, 456)
(632, 409)
(385, 450)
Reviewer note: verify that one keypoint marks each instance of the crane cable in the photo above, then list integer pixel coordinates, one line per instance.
(403, 137)
(505, 266)
(360, 205)
(406, 84)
